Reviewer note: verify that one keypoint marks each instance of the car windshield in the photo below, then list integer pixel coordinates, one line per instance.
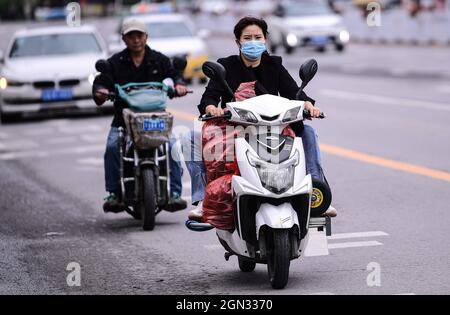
(307, 8)
(54, 44)
(168, 29)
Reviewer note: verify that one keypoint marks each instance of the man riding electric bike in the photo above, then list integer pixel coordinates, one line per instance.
(137, 63)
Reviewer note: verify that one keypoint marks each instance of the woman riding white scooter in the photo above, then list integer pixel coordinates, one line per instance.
(252, 64)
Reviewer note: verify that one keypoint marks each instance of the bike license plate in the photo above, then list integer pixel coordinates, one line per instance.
(154, 124)
(52, 95)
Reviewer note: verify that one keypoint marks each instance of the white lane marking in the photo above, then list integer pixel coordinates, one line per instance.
(91, 161)
(353, 244)
(62, 140)
(322, 293)
(443, 88)
(71, 130)
(39, 132)
(54, 234)
(356, 235)
(37, 154)
(94, 138)
(89, 169)
(385, 100)
(20, 155)
(213, 247)
(18, 145)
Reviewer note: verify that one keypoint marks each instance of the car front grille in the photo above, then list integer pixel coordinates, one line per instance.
(44, 84)
(66, 83)
(52, 84)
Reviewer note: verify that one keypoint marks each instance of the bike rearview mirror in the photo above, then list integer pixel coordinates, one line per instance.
(215, 71)
(103, 66)
(308, 70)
(179, 63)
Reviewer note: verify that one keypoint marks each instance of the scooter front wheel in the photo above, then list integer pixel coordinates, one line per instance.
(278, 258)
(148, 206)
(246, 266)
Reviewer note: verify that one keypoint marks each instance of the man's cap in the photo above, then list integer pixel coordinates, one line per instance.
(133, 25)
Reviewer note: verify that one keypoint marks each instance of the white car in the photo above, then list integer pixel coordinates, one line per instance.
(173, 35)
(49, 69)
(306, 23)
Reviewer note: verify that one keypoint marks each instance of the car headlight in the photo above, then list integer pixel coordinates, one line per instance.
(291, 114)
(292, 40)
(276, 178)
(3, 83)
(246, 115)
(344, 36)
(92, 77)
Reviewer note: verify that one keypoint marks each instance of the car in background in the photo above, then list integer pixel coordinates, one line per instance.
(50, 70)
(50, 13)
(213, 7)
(258, 8)
(306, 23)
(173, 35)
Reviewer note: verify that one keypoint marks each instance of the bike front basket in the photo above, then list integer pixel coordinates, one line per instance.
(147, 96)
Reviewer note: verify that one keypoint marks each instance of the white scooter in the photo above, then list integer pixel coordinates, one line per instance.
(276, 201)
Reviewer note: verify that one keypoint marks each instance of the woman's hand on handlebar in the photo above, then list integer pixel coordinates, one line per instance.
(314, 111)
(213, 110)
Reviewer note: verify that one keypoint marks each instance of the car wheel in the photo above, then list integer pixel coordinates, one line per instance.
(339, 47)
(321, 49)
(9, 118)
(288, 49)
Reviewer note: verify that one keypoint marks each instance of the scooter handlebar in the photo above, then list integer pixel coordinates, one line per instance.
(307, 115)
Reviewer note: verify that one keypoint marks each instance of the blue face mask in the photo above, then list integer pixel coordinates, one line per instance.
(253, 50)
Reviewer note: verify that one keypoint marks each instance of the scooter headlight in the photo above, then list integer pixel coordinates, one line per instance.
(246, 115)
(276, 178)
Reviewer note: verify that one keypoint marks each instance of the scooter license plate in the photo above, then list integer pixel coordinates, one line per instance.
(150, 124)
(51, 95)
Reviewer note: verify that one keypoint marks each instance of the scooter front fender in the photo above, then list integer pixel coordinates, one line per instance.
(276, 217)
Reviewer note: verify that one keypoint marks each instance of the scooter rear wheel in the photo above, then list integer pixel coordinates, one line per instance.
(321, 198)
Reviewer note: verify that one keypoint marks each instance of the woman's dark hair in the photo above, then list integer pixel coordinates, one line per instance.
(247, 21)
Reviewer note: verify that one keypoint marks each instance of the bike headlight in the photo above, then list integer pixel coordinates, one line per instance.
(276, 178)
(246, 115)
(291, 114)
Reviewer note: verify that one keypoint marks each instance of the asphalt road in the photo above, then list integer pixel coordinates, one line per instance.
(385, 152)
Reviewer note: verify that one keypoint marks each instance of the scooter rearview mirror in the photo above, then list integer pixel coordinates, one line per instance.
(307, 71)
(103, 66)
(179, 63)
(216, 72)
